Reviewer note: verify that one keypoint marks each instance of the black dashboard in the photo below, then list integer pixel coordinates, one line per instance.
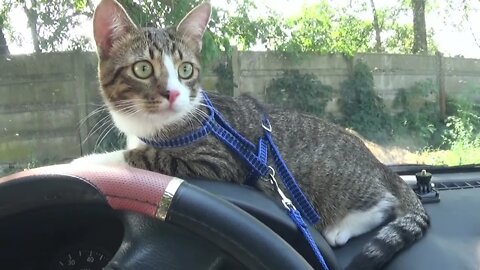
(60, 238)
(86, 237)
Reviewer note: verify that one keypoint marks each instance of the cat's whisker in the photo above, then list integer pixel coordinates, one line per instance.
(196, 109)
(91, 114)
(197, 118)
(98, 143)
(189, 120)
(194, 116)
(96, 127)
(129, 101)
(127, 109)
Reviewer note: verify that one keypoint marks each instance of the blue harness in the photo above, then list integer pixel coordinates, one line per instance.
(257, 159)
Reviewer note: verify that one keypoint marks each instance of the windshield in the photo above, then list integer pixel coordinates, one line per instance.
(403, 75)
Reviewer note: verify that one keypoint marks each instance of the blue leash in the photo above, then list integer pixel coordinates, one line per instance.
(257, 159)
(297, 218)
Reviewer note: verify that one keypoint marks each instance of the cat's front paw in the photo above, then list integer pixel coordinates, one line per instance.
(109, 159)
(336, 237)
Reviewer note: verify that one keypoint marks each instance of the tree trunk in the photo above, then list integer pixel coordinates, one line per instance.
(419, 27)
(3, 44)
(378, 30)
(32, 24)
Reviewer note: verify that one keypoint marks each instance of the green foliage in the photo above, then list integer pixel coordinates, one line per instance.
(419, 114)
(461, 137)
(80, 4)
(363, 110)
(224, 72)
(463, 126)
(51, 23)
(401, 39)
(295, 90)
(321, 29)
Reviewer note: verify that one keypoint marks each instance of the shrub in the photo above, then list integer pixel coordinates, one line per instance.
(419, 114)
(303, 92)
(362, 109)
(224, 72)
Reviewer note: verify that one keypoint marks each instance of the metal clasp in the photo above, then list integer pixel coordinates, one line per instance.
(266, 125)
(273, 181)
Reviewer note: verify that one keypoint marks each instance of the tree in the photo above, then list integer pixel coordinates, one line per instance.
(419, 27)
(322, 29)
(51, 22)
(3, 44)
(30, 10)
(376, 27)
(3, 24)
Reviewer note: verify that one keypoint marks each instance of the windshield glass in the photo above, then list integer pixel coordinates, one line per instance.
(403, 75)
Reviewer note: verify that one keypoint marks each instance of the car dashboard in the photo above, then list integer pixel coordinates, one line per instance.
(83, 237)
(60, 238)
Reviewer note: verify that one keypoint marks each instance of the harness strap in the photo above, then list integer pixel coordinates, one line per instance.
(256, 158)
(297, 218)
(223, 123)
(260, 168)
(291, 185)
(180, 141)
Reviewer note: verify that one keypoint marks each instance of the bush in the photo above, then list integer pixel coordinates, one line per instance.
(224, 72)
(460, 138)
(303, 92)
(463, 126)
(419, 115)
(362, 109)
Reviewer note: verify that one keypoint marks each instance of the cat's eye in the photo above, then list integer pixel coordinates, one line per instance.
(185, 70)
(142, 69)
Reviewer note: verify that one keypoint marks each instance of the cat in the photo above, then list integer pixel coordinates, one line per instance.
(150, 81)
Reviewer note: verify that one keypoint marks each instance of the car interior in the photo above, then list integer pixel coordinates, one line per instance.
(56, 225)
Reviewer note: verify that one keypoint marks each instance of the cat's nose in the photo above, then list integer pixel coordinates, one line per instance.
(173, 96)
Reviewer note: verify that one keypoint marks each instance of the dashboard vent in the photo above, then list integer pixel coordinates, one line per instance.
(457, 185)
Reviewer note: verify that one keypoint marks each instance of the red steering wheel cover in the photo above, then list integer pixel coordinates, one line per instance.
(125, 188)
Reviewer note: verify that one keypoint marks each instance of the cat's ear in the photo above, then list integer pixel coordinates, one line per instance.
(110, 22)
(192, 27)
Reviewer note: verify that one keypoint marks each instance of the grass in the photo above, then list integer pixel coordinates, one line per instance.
(453, 157)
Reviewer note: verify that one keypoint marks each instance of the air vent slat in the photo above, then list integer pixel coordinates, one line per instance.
(457, 185)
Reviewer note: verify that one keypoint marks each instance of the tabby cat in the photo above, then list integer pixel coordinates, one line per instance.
(150, 82)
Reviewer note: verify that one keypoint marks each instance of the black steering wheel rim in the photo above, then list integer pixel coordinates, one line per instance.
(227, 226)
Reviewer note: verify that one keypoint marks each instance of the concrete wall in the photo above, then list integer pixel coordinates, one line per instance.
(43, 98)
(253, 71)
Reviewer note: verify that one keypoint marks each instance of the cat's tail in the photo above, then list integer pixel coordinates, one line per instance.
(398, 234)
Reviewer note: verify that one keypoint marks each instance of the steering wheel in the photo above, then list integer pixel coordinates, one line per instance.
(164, 198)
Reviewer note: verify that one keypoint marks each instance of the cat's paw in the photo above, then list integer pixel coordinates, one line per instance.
(109, 159)
(336, 237)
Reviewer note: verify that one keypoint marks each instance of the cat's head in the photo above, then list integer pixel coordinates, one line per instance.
(149, 77)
